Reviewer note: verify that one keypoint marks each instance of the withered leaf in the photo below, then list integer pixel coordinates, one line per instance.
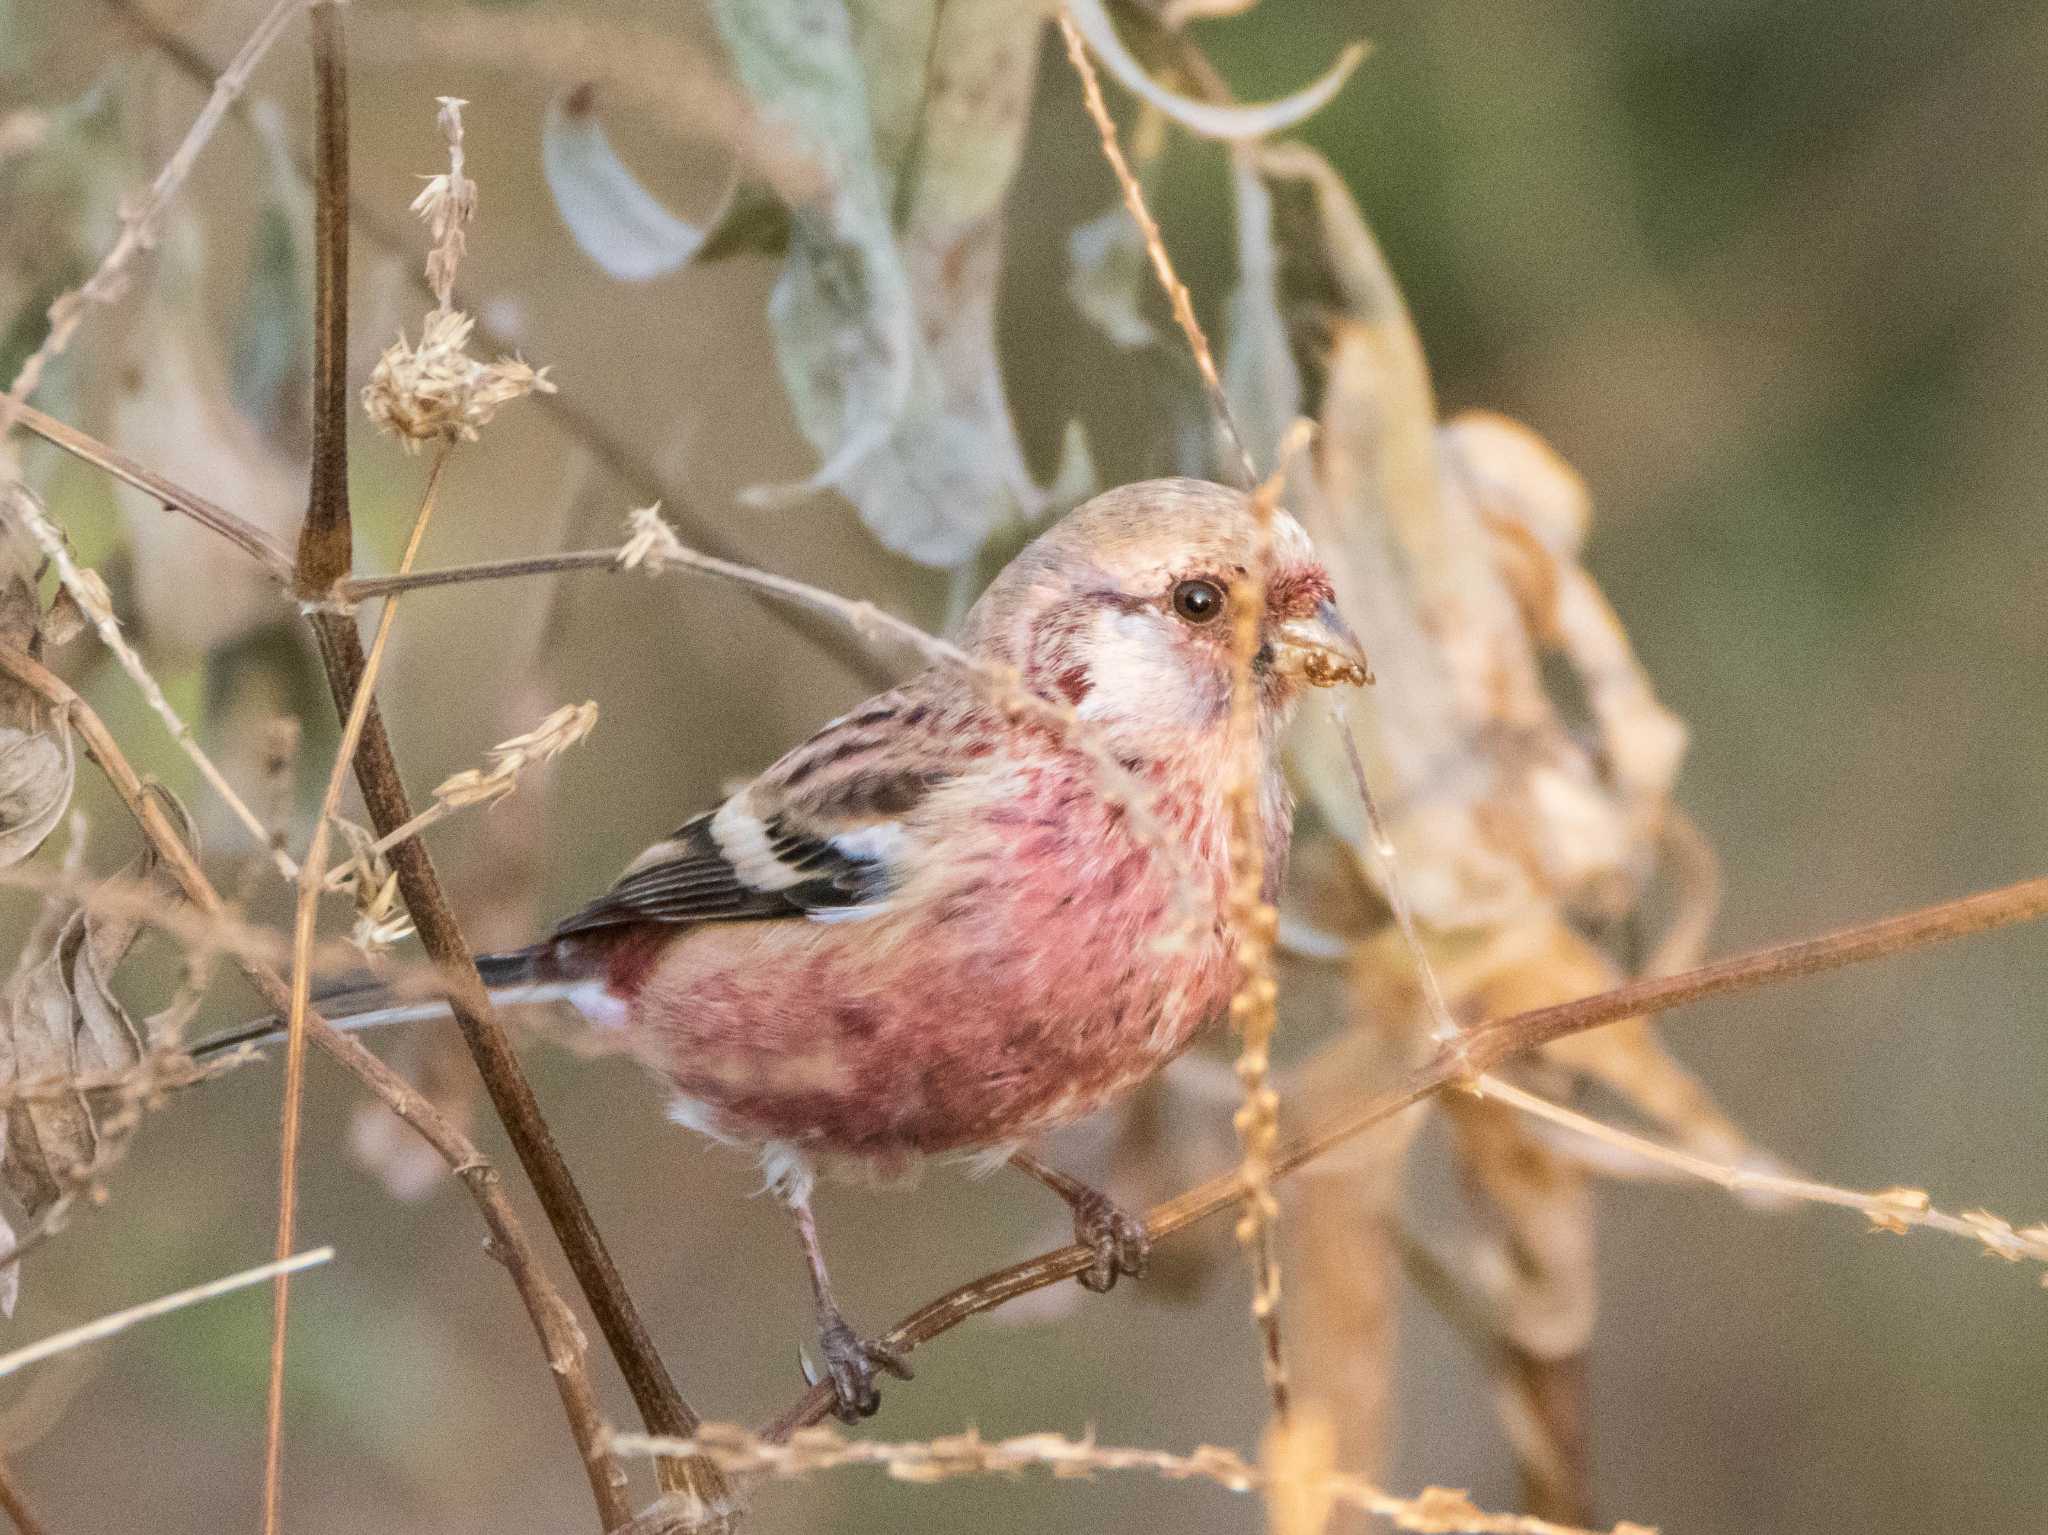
(62, 1022)
(37, 763)
(37, 770)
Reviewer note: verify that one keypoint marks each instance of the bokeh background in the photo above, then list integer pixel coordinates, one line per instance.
(1769, 276)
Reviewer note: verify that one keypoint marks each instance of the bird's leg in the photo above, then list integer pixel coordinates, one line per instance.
(850, 1360)
(1118, 1239)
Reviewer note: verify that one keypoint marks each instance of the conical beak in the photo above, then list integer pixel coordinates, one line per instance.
(1321, 649)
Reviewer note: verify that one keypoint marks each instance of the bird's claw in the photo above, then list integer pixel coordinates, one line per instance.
(1119, 1240)
(850, 1363)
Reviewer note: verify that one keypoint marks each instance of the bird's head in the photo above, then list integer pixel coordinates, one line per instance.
(1124, 610)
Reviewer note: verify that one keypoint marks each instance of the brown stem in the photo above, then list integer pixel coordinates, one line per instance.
(325, 554)
(1478, 1050)
(305, 917)
(560, 1339)
(238, 531)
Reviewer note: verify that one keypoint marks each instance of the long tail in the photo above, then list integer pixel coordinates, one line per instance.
(364, 1003)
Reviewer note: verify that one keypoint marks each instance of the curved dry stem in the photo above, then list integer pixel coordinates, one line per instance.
(1477, 1050)
(304, 916)
(968, 1454)
(1155, 248)
(239, 531)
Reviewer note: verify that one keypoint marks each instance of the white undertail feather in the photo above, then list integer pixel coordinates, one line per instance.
(521, 994)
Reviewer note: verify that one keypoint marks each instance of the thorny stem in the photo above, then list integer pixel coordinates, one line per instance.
(1479, 1049)
(325, 554)
(304, 919)
(139, 224)
(561, 1341)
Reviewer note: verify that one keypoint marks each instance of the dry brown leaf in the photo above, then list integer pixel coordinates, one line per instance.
(38, 767)
(63, 1022)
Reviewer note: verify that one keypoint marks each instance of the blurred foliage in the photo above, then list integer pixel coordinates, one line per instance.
(1767, 276)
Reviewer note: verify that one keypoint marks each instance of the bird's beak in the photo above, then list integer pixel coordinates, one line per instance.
(1321, 650)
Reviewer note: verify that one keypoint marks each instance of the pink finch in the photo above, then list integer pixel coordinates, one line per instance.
(929, 929)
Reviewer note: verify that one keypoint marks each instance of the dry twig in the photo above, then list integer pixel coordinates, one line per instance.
(1478, 1049)
(304, 917)
(121, 1321)
(324, 557)
(1155, 247)
(1437, 1511)
(1895, 1209)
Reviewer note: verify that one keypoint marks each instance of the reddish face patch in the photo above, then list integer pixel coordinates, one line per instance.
(1297, 592)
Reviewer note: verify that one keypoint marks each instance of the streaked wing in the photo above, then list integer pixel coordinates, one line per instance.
(816, 835)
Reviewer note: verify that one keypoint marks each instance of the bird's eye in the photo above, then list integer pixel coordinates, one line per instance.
(1198, 601)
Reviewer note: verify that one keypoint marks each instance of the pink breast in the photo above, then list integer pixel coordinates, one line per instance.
(1017, 985)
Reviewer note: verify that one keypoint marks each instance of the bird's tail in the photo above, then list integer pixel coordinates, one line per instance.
(364, 1002)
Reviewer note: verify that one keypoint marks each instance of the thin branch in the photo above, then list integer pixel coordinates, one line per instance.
(1479, 1049)
(1155, 247)
(1893, 1209)
(245, 535)
(932, 1460)
(562, 1342)
(325, 552)
(121, 1321)
(304, 918)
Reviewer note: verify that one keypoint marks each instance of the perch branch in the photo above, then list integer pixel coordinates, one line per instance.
(1477, 1050)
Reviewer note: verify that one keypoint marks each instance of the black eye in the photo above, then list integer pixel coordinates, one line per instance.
(1198, 601)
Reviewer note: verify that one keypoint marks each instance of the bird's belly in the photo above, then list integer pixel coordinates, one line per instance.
(861, 1040)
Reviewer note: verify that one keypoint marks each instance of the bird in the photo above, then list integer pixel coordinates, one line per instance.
(932, 929)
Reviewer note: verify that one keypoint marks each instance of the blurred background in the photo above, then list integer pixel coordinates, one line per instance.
(1769, 277)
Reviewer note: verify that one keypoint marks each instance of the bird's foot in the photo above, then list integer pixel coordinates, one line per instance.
(1118, 1239)
(850, 1363)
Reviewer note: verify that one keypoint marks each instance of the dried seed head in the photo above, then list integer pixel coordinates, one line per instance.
(437, 390)
(650, 542)
(508, 759)
(446, 204)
